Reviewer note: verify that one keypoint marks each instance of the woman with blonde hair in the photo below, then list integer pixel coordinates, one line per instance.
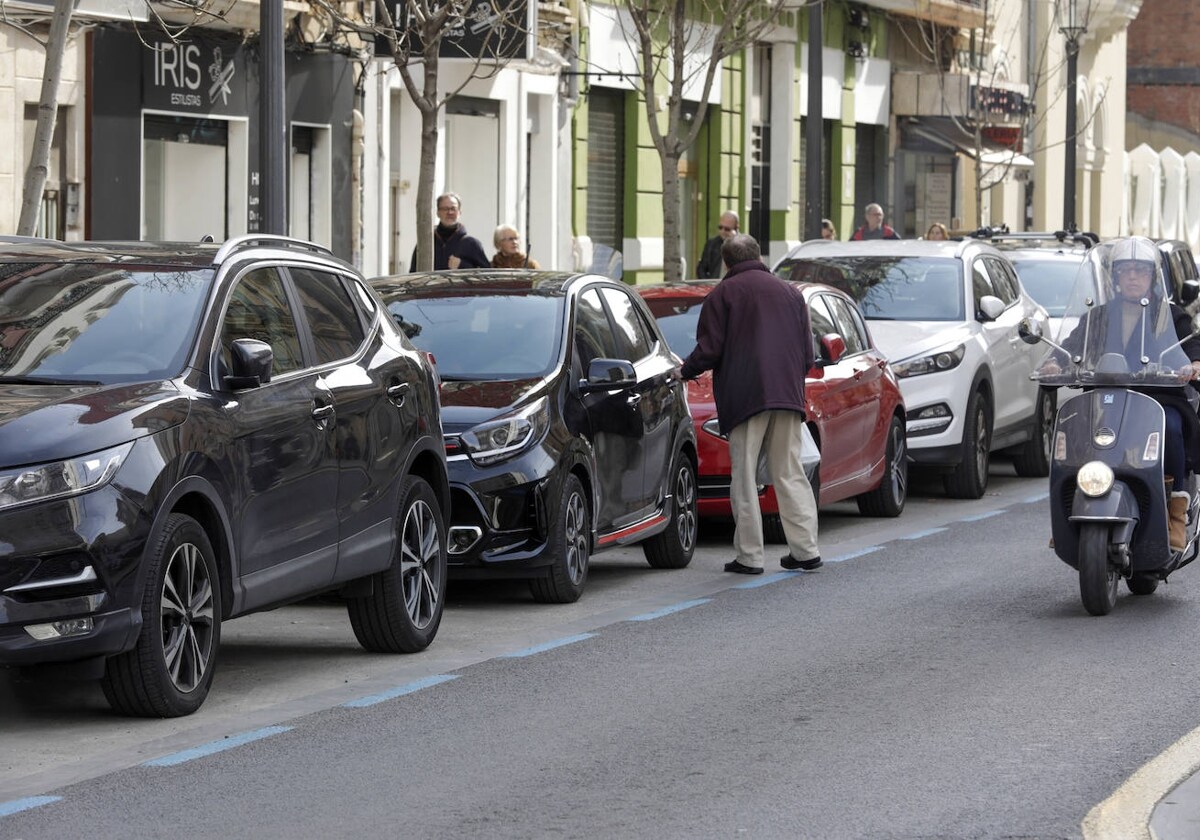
(507, 240)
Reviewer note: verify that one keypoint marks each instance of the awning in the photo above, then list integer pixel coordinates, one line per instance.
(945, 135)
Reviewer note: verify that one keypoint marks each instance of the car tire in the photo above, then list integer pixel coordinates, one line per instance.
(888, 498)
(772, 526)
(404, 609)
(170, 669)
(570, 547)
(1032, 460)
(673, 547)
(969, 479)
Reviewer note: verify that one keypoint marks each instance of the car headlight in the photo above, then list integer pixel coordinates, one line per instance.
(505, 436)
(1095, 478)
(42, 482)
(931, 363)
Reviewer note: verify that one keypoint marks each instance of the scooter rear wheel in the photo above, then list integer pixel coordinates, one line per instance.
(1098, 577)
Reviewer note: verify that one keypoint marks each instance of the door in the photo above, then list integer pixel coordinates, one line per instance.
(282, 453)
(1006, 352)
(474, 163)
(184, 177)
(865, 391)
(614, 417)
(830, 398)
(653, 395)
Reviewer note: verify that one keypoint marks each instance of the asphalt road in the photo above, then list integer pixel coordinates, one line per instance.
(940, 680)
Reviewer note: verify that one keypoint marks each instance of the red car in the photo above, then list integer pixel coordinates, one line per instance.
(855, 410)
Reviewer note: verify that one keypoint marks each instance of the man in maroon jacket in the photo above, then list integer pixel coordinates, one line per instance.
(754, 335)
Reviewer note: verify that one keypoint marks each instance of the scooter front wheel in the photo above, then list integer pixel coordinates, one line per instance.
(1098, 577)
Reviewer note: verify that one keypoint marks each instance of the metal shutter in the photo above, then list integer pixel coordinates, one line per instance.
(606, 167)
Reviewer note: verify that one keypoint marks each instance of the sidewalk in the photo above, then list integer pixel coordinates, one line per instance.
(1177, 815)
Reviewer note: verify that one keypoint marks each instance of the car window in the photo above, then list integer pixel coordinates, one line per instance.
(594, 338)
(1048, 281)
(821, 321)
(848, 326)
(333, 321)
(629, 324)
(1189, 265)
(891, 288)
(981, 281)
(677, 319)
(259, 309)
(365, 298)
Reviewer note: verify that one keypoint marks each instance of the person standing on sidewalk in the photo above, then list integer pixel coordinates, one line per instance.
(874, 228)
(453, 247)
(754, 334)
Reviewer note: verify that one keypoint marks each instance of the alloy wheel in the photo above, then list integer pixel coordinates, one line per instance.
(186, 604)
(575, 532)
(420, 569)
(685, 506)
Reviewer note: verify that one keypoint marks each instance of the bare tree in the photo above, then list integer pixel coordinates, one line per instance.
(47, 116)
(681, 45)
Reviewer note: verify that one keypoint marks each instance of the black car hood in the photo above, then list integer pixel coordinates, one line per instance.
(40, 423)
(469, 403)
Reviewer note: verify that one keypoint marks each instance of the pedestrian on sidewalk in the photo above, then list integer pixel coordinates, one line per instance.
(507, 240)
(874, 228)
(453, 247)
(754, 334)
(710, 266)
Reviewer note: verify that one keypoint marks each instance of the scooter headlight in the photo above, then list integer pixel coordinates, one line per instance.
(1095, 478)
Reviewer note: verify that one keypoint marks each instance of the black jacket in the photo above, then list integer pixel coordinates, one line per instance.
(448, 242)
(711, 265)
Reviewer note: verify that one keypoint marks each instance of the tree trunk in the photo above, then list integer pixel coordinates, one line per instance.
(427, 169)
(39, 162)
(672, 264)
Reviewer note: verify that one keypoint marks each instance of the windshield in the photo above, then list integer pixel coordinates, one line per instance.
(1118, 327)
(1048, 281)
(97, 323)
(677, 318)
(887, 287)
(485, 335)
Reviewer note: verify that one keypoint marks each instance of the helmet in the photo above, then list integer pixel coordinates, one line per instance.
(1135, 251)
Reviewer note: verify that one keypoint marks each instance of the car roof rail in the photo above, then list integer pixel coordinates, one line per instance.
(30, 240)
(267, 240)
(1001, 232)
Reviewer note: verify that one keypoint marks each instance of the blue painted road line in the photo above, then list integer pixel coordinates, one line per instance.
(871, 549)
(17, 805)
(217, 746)
(650, 616)
(399, 691)
(976, 517)
(569, 640)
(920, 534)
(1039, 497)
(767, 579)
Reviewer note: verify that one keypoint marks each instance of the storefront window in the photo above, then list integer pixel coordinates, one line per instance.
(185, 172)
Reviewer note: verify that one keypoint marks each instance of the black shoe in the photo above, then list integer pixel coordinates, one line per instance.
(793, 565)
(739, 569)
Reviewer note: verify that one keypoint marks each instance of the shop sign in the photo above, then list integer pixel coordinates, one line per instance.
(1008, 136)
(195, 76)
(1001, 101)
(487, 29)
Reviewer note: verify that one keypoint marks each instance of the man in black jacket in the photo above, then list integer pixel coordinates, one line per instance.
(452, 246)
(754, 334)
(710, 265)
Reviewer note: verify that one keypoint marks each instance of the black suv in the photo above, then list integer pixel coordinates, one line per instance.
(191, 433)
(567, 425)
(1179, 268)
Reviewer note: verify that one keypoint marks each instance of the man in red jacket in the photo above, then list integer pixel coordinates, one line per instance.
(874, 228)
(754, 335)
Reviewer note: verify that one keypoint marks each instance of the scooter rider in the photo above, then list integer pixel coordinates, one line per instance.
(1138, 322)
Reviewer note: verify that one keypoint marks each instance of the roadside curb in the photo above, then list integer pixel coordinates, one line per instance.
(1125, 815)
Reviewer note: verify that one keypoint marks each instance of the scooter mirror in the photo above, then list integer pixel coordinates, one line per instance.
(1030, 331)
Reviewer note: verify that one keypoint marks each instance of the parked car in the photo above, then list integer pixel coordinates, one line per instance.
(1183, 278)
(566, 422)
(946, 315)
(1047, 264)
(192, 433)
(854, 407)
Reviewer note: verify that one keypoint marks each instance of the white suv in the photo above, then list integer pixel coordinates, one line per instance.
(946, 314)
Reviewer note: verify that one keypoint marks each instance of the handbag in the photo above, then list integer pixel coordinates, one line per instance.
(810, 457)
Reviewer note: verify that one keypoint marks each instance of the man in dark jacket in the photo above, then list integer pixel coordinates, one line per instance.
(754, 335)
(452, 246)
(710, 265)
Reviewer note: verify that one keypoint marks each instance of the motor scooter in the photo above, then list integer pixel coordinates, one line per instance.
(1108, 499)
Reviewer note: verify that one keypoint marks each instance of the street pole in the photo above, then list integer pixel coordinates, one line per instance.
(1072, 31)
(272, 134)
(813, 128)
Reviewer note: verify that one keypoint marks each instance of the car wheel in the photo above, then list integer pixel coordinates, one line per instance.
(969, 479)
(570, 546)
(404, 609)
(1033, 458)
(170, 669)
(673, 548)
(888, 498)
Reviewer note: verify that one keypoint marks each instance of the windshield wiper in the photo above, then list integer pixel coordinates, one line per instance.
(45, 380)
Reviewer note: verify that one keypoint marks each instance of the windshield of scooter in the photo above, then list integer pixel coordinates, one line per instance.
(1118, 327)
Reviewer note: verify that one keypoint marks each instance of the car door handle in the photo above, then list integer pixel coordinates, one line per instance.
(322, 414)
(398, 393)
(633, 399)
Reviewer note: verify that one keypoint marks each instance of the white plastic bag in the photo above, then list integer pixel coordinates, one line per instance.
(810, 457)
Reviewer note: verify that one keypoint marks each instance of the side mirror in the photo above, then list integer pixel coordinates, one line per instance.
(609, 375)
(1189, 292)
(833, 347)
(1030, 331)
(250, 364)
(991, 307)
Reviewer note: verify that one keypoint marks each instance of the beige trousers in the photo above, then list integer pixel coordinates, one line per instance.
(779, 432)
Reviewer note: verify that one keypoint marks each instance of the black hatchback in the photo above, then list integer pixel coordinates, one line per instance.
(566, 422)
(189, 434)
